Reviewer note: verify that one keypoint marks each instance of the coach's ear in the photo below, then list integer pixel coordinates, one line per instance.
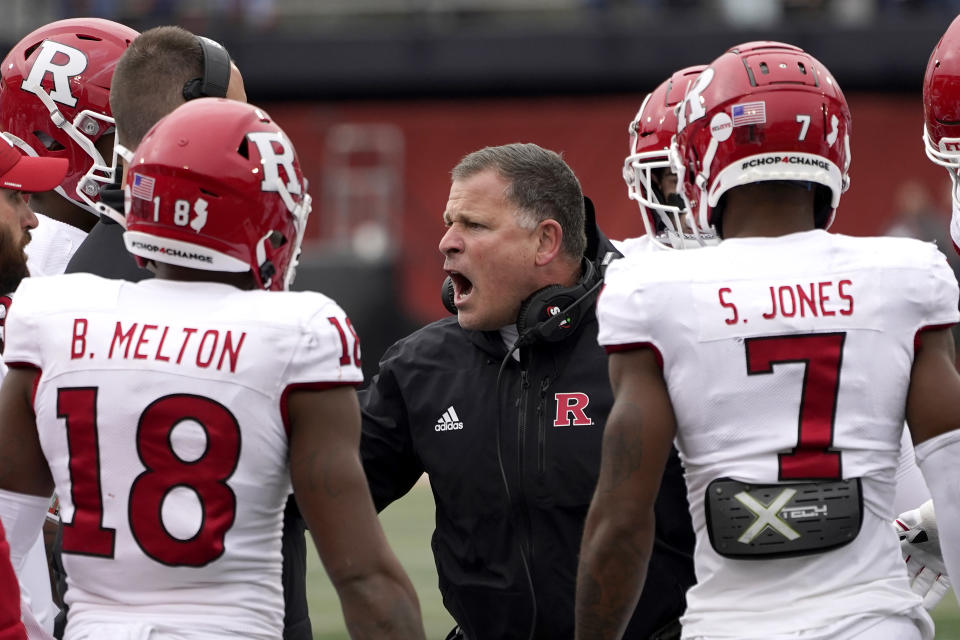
(550, 241)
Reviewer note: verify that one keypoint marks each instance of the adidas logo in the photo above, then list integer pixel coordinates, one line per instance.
(449, 421)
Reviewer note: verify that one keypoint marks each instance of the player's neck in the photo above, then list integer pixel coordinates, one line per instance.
(767, 210)
(53, 205)
(185, 274)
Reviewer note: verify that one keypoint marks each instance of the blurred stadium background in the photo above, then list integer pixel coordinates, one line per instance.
(382, 97)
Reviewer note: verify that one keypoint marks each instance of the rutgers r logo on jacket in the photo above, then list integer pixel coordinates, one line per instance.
(571, 410)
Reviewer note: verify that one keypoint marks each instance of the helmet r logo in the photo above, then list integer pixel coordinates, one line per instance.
(834, 130)
(75, 64)
(692, 101)
(267, 143)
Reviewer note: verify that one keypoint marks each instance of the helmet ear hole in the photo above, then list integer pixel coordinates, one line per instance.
(47, 141)
(276, 239)
(29, 51)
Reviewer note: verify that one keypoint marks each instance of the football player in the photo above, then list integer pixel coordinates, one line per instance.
(54, 90)
(172, 414)
(166, 67)
(784, 368)
(54, 101)
(651, 182)
(941, 114)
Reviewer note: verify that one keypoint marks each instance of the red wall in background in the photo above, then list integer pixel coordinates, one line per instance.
(592, 134)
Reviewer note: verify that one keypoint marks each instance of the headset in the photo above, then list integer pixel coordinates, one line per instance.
(549, 314)
(213, 84)
(216, 72)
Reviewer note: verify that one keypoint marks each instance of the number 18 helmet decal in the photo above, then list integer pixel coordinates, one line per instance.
(651, 133)
(762, 111)
(216, 185)
(941, 112)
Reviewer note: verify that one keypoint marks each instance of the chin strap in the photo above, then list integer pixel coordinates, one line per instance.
(72, 129)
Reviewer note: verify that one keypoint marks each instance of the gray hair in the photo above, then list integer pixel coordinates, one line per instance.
(542, 186)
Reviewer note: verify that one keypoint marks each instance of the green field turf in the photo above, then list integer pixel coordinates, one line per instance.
(408, 524)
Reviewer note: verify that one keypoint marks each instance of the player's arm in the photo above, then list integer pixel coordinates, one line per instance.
(386, 448)
(619, 531)
(23, 469)
(377, 597)
(933, 400)
(25, 480)
(933, 415)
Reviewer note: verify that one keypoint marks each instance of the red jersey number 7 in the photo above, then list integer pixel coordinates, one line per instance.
(822, 355)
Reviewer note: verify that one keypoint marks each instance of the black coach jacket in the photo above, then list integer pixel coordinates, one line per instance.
(509, 521)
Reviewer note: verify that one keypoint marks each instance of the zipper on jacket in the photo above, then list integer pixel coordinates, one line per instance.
(523, 512)
(542, 427)
(521, 432)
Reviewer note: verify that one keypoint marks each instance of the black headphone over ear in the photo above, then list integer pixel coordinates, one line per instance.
(447, 295)
(216, 72)
(549, 314)
(554, 312)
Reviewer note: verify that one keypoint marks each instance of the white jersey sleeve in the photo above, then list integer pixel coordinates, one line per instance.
(626, 308)
(51, 246)
(329, 353)
(942, 294)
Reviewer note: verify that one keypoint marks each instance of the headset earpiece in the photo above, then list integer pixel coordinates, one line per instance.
(542, 305)
(554, 312)
(216, 72)
(447, 295)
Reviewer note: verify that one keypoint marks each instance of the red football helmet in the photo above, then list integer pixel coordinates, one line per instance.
(55, 95)
(216, 185)
(651, 134)
(941, 105)
(761, 111)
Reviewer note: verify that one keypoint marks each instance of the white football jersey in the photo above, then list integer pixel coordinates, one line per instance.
(955, 225)
(787, 358)
(161, 410)
(640, 244)
(51, 246)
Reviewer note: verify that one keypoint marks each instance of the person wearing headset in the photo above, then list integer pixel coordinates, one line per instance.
(165, 67)
(159, 73)
(504, 405)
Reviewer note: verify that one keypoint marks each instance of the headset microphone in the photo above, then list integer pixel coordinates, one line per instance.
(447, 295)
(547, 330)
